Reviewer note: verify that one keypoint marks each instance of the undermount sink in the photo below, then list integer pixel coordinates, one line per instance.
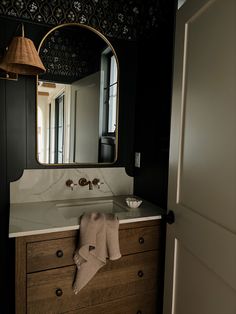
(72, 210)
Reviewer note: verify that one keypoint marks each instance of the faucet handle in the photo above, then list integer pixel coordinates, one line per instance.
(82, 182)
(97, 182)
(70, 184)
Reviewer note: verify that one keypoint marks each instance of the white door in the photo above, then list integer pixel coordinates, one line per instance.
(200, 275)
(87, 118)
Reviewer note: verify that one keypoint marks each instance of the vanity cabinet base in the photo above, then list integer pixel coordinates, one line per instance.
(144, 303)
(132, 284)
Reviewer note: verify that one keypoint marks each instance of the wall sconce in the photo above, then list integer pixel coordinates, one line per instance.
(8, 76)
(22, 57)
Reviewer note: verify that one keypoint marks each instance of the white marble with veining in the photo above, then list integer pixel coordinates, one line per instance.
(52, 216)
(39, 185)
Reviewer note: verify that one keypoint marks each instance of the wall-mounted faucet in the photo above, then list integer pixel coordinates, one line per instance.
(70, 184)
(84, 182)
(95, 182)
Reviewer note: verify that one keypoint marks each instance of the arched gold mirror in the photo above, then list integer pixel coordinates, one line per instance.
(77, 97)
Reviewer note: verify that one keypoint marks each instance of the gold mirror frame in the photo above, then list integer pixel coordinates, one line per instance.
(117, 99)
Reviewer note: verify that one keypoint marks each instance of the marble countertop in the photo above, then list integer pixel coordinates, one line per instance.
(53, 216)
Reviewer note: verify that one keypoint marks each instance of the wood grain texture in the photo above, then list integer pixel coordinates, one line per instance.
(115, 280)
(116, 286)
(42, 255)
(139, 240)
(20, 278)
(74, 233)
(146, 303)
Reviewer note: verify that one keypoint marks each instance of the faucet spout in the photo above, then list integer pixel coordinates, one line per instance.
(84, 182)
(90, 185)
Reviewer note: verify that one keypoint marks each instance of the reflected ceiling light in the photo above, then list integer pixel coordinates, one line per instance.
(22, 57)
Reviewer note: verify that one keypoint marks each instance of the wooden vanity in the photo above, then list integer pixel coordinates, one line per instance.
(132, 284)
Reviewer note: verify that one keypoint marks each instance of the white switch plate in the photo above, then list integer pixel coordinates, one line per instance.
(137, 160)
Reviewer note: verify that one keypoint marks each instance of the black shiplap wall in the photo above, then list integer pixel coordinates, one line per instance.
(4, 194)
(152, 118)
(152, 112)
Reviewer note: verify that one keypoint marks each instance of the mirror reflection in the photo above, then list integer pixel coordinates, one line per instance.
(77, 98)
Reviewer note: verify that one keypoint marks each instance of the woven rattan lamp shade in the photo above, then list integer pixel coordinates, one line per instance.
(22, 58)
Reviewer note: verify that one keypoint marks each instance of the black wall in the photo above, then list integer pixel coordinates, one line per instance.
(152, 119)
(152, 111)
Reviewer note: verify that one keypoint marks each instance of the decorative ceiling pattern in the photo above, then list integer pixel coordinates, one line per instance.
(71, 53)
(124, 19)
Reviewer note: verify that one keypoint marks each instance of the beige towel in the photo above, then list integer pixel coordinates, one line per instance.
(112, 237)
(98, 240)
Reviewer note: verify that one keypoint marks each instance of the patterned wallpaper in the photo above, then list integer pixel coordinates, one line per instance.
(124, 19)
(71, 53)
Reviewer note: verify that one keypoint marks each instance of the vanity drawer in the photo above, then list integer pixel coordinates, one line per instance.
(145, 303)
(128, 276)
(137, 240)
(50, 254)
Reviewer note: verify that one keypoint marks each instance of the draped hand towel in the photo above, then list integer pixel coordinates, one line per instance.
(99, 239)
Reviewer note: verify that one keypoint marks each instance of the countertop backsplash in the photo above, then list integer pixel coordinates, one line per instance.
(50, 184)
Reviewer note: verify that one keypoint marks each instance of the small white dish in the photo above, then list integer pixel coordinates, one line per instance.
(133, 202)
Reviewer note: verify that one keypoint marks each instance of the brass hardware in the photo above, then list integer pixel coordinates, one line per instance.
(49, 85)
(97, 182)
(8, 76)
(43, 93)
(84, 182)
(118, 84)
(70, 184)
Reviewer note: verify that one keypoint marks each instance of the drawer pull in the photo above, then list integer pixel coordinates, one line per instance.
(139, 312)
(140, 273)
(141, 240)
(59, 253)
(59, 292)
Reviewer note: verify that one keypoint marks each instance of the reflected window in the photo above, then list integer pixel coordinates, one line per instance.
(112, 95)
(59, 128)
(109, 70)
(108, 106)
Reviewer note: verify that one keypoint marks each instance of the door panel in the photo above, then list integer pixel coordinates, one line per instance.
(200, 253)
(209, 293)
(210, 243)
(208, 104)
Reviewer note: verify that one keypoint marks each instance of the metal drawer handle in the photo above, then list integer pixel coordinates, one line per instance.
(59, 253)
(140, 273)
(141, 240)
(59, 292)
(139, 312)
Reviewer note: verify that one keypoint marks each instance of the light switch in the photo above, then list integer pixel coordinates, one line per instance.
(137, 160)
